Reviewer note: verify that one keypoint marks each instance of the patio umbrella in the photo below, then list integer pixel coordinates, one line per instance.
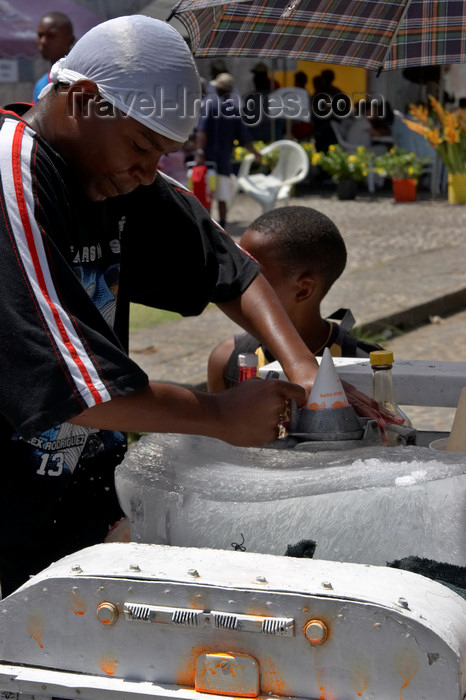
(374, 34)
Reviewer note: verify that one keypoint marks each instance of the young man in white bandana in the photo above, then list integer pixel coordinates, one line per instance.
(86, 227)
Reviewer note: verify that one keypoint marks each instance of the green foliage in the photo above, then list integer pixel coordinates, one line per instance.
(143, 316)
(372, 334)
(398, 163)
(342, 165)
(268, 161)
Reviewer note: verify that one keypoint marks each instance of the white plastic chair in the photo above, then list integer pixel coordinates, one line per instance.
(292, 166)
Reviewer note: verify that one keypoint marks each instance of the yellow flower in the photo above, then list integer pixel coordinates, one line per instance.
(316, 158)
(360, 149)
(331, 148)
(452, 133)
(438, 109)
(461, 118)
(352, 159)
(433, 136)
(418, 128)
(410, 171)
(446, 132)
(419, 112)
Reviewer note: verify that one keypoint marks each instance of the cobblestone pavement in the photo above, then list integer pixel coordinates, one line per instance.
(376, 230)
(406, 264)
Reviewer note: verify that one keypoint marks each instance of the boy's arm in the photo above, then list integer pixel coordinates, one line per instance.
(216, 364)
(259, 311)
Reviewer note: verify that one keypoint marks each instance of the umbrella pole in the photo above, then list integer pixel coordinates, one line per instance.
(437, 164)
(288, 125)
(273, 130)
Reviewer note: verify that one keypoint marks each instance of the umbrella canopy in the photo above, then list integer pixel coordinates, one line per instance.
(371, 34)
(19, 20)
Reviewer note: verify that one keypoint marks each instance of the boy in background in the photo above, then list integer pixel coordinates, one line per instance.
(301, 253)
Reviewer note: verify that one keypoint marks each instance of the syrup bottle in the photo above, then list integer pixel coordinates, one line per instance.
(382, 390)
(247, 366)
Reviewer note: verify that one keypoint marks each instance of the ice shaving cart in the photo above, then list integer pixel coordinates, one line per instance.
(204, 603)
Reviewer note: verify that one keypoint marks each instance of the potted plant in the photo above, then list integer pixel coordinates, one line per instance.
(346, 169)
(268, 161)
(404, 169)
(446, 132)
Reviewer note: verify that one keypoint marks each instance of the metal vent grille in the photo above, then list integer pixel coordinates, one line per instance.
(225, 621)
(275, 625)
(188, 618)
(135, 611)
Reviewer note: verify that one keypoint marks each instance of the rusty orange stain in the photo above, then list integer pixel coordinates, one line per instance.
(187, 671)
(258, 610)
(108, 665)
(319, 672)
(198, 603)
(406, 663)
(271, 681)
(36, 627)
(231, 660)
(323, 691)
(76, 603)
(359, 676)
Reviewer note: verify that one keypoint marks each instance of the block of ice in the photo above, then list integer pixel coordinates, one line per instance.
(369, 505)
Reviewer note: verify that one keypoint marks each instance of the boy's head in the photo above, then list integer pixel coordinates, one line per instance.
(293, 243)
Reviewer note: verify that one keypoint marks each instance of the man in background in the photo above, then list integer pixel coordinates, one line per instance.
(219, 126)
(55, 38)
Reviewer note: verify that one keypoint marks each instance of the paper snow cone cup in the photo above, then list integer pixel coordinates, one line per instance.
(327, 391)
(319, 420)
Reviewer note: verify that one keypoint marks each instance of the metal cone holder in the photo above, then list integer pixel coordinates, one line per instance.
(329, 422)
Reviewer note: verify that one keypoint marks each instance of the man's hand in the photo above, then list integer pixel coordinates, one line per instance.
(249, 414)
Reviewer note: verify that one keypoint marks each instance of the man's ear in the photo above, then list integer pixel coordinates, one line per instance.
(81, 98)
(306, 287)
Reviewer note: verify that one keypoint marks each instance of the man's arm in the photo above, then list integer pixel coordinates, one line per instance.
(252, 149)
(246, 415)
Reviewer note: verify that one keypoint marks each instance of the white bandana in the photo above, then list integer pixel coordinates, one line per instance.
(143, 67)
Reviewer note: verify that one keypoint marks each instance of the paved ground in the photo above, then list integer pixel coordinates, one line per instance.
(406, 267)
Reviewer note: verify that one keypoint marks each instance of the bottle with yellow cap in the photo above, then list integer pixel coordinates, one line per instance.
(382, 390)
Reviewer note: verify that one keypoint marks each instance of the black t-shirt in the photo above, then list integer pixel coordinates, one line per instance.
(64, 315)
